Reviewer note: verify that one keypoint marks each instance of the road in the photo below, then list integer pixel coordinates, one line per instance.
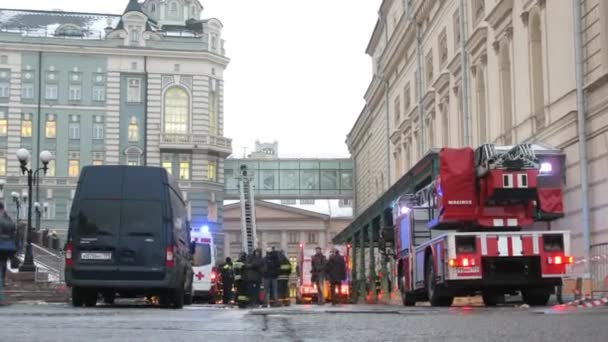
(60, 322)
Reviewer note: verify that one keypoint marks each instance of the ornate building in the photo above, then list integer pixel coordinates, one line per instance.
(142, 88)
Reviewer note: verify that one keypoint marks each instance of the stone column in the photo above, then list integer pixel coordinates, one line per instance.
(227, 239)
(362, 280)
(372, 261)
(284, 241)
(354, 274)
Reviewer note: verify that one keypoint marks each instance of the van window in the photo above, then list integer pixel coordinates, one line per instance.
(141, 218)
(101, 182)
(98, 217)
(202, 255)
(144, 184)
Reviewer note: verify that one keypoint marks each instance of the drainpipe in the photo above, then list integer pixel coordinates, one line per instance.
(582, 136)
(419, 85)
(38, 132)
(465, 76)
(386, 100)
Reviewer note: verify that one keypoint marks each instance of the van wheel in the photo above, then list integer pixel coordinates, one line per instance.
(109, 298)
(189, 295)
(164, 301)
(78, 297)
(90, 299)
(178, 298)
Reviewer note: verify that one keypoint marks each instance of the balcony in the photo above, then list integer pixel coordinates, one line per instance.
(220, 146)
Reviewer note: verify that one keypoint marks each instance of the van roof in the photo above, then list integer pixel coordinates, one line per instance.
(125, 182)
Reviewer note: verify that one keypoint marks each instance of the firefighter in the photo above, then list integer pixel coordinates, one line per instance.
(284, 274)
(227, 280)
(240, 282)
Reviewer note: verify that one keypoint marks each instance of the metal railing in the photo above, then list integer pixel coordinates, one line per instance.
(50, 265)
(599, 268)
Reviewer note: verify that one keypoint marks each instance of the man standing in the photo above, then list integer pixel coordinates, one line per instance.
(7, 246)
(336, 272)
(271, 275)
(227, 280)
(253, 273)
(318, 273)
(284, 277)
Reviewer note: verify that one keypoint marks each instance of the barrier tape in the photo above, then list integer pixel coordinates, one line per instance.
(586, 302)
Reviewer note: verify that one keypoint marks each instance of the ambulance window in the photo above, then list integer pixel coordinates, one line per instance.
(202, 255)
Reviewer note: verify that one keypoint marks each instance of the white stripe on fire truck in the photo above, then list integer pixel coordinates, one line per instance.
(503, 246)
(484, 244)
(517, 245)
(512, 222)
(498, 222)
(535, 244)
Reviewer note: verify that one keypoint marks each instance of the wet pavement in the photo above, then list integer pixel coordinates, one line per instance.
(61, 322)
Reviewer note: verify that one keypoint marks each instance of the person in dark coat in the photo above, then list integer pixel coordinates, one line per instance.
(8, 246)
(227, 280)
(253, 272)
(336, 272)
(318, 272)
(272, 267)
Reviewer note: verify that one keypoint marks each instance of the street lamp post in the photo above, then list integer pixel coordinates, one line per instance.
(17, 199)
(45, 157)
(38, 213)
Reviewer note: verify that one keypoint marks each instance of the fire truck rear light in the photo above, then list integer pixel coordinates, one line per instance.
(560, 260)
(462, 262)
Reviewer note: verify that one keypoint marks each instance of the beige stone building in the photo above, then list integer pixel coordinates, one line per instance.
(283, 227)
(509, 65)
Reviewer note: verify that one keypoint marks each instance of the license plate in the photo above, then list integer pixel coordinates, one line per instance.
(467, 270)
(95, 256)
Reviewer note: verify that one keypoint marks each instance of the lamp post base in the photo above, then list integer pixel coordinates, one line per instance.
(28, 261)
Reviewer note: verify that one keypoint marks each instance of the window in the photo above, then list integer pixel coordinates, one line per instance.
(173, 10)
(176, 67)
(213, 105)
(443, 48)
(134, 36)
(456, 30)
(27, 91)
(212, 212)
(313, 238)
(133, 160)
(134, 90)
(73, 168)
(478, 10)
(167, 165)
(177, 111)
(2, 167)
(4, 89)
(99, 94)
(184, 170)
(4, 59)
(397, 111)
(98, 131)
(293, 238)
(307, 202)
(288, 202)
(3, 125)
(345, 203)
(49, 211)
(211, 171)
(75, 93)
(26, 127)
(407, 99)
(51, 92)
(97, 162)
(429, 68)
(74, 130)
(133, 130)
(50, 129)
(50, 172)
(202, 255)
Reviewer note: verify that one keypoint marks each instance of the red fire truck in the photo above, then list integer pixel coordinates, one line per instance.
(472, 230)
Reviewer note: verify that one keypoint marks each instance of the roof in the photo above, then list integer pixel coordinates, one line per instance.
(281, 208)
(133, 6)
(44, 23)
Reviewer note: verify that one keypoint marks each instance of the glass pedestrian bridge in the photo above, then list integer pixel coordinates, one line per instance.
(292, 178)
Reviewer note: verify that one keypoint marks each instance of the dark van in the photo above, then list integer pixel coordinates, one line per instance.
(128, 236)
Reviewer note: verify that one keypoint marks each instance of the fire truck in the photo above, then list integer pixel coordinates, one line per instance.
(473, 230)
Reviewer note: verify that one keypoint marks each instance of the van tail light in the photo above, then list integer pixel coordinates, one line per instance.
(560, 260)
(344, 289)
(69, 261)
(169, 257)
(214, 275)
(462, 262)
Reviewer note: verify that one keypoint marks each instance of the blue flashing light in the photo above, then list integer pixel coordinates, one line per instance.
(439, 191)
(205, 229)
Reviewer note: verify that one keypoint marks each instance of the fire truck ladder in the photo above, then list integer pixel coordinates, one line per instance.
(248, 228)
(520, 156)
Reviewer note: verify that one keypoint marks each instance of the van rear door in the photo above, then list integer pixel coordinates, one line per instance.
(202, 266)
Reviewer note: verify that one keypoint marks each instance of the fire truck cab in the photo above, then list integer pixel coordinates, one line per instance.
(469, 231)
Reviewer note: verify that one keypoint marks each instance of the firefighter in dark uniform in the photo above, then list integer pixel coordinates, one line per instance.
(284, 274)
(239, 280)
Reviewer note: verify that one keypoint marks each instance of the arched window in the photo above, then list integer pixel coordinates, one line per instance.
(177, 111)
(153, 8)
(133, 155)
(504, 62)
(536, 71)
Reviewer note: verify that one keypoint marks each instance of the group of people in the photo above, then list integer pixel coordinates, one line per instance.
(332, 269)
(248, 273)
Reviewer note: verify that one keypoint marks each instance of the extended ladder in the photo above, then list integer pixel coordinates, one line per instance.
(248, 228)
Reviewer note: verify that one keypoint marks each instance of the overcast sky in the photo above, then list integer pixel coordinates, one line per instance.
(298, 68)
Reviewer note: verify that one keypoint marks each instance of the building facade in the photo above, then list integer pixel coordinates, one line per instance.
(491, 71)
(142, 88)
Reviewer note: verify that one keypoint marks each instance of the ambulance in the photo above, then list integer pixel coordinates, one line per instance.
(204, 261)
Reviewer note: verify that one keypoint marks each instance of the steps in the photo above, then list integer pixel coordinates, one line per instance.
(20, 291)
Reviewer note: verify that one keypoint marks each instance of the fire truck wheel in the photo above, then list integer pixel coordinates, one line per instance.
(534, 298)
(408, 298)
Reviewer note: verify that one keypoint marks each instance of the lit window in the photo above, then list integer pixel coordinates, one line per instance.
(50, 129)
(177, 111)
(3, 167)
(74, 130)
(4, 89)
(99, 94)
(133, 160)
(167, 165)
(184, 170)
(26, 128)
(134, 90)
(98, 131)
(133, 130)
(73, 168)
(75, 93)
(97, 162)
(51, 92)
(27, 91)
(3, 127)
(211, 171)
(50, 172)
